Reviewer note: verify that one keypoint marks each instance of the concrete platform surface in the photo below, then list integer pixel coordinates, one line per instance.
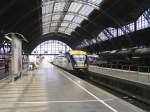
(134, 76)
(50, 89)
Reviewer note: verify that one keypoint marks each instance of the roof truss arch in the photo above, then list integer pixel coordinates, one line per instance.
(93, 3)
(73, 10)
(51, 36)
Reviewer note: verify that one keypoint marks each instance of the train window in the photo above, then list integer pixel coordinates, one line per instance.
(79, 58)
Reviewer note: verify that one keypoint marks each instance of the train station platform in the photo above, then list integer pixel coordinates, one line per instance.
(132, 83)
(134, 76)
(50, 89)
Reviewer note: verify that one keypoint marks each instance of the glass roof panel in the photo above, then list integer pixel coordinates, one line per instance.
(73, 25)
(97, 2)
(54, 23)
(68, 31)
(86, 10)
(65, 24)
(78, 19)
(75, 7)
(47, 8)
(56, 17)
(46, 25)
(62, 29)
(69, 17)
(102, 36)
(46, 18)
(52, 11)
(45, 30)
(59, 7)
(52, 29)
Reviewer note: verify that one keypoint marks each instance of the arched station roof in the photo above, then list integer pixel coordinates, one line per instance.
(39, 20)
(51, 36)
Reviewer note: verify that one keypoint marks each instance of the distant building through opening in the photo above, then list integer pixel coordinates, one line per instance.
(49, 49)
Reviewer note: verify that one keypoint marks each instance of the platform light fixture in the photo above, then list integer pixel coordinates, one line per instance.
(9, 38)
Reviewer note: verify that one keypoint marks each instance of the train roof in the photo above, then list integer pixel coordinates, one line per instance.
(93, 56)
(73, 52)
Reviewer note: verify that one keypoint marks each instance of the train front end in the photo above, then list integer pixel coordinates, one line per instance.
(79, 60)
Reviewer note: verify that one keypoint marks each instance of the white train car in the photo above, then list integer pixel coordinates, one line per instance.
(73, 60)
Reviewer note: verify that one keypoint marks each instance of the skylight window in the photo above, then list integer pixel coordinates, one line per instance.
(86, 10)
(45, 30)
(62, 29)
(56, 17)
(102, 36)
(97, 2)
(78, 19)
(65, 24)
(59, 7)
(46, 25)
(52, 29)
(54, 24)
(68, 31)
(75, 7)
(69, 17)
(46, 18)
(47, 8)
(53, 13)
(73, 25)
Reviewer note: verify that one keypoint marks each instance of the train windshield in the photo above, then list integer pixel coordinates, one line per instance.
(80, 59)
